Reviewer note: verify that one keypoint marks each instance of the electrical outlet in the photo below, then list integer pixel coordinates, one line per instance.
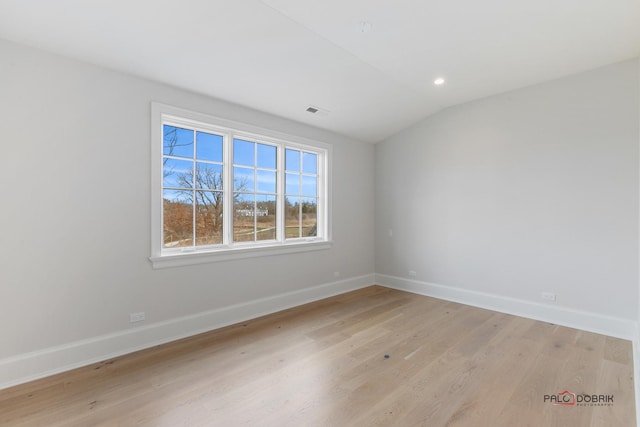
(412, 273)
(390, 233)
(136, 317)
(336, 274)
(549, 296)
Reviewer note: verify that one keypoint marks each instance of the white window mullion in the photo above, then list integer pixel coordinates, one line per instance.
(193, 194)
(255, 191)
(320, 208)
(255, 217)
(300, 192)
(227, 185)
(193, 218)
(280, 196)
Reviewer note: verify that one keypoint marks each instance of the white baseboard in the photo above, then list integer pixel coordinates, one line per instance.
(39, 364)
(592, 322)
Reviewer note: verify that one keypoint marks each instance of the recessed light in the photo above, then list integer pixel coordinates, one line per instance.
(439, 81)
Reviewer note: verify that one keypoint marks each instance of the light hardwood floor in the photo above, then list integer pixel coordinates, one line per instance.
(373, 357)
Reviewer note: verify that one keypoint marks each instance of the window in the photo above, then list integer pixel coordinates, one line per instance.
(192, 190)
(254, 191)
(225, 190)
(301, 193)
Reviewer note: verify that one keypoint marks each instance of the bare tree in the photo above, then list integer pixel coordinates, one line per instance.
(202, 188)
(208, 196)
(171, 142)
(209, 199)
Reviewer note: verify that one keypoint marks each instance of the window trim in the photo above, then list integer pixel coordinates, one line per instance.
(227, 251)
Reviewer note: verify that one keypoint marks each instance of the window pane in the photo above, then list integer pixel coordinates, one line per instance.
(243, 152)
(265, 217)
(309, 163)
(266, 182)
(177, 227)
(292, 160)
(243, 179)
(177, 142)
(177, 173)
(309, 217)
(292, 217)
(309, 186)
(208, 218)
(208, 176)
(243, 217)
(292, 183)
(266, 156)
(208, 147)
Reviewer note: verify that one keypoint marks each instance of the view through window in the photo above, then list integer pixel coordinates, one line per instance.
(225, 188)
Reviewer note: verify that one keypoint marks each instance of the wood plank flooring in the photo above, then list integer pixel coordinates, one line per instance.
(373, 357)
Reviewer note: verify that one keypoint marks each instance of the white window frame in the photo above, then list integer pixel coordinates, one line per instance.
(170, 257)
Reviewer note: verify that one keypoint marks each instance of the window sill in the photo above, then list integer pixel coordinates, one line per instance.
(192, 258)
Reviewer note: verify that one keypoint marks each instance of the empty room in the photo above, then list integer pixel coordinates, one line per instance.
(296, 213)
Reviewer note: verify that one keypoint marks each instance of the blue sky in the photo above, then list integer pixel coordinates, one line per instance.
(249, 158)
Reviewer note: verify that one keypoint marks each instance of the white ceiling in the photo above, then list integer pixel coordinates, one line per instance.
(281, 56)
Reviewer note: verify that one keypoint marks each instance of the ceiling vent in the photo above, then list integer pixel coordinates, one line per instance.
(317, 110)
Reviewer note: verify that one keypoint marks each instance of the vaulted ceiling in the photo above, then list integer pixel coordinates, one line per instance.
(369, 65)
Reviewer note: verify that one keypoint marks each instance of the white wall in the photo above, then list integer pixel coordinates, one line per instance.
(530, 191)
(75, 213)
